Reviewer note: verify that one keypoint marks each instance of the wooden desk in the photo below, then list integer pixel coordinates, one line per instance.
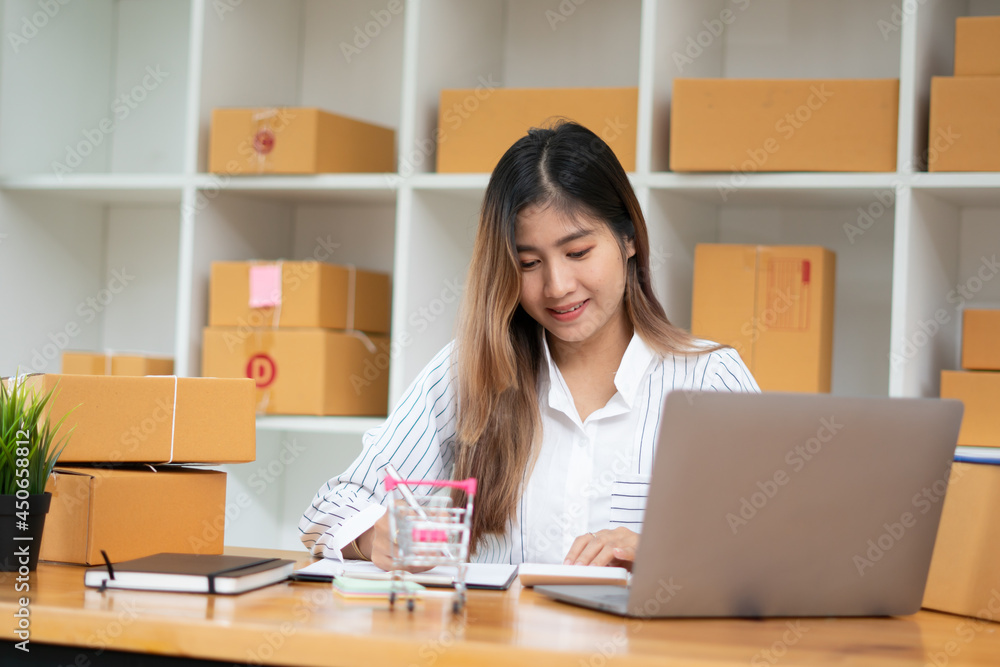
(307, 624)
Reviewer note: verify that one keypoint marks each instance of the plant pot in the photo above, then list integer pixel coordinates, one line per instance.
(28, 537)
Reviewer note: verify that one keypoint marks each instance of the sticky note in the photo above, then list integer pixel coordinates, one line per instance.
(265, 286)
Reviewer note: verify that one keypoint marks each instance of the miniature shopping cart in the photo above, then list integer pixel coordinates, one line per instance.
(429, 531)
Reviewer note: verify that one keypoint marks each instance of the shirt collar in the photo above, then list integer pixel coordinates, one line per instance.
(635, 362)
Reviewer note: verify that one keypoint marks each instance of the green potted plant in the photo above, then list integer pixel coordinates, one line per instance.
(28, 452)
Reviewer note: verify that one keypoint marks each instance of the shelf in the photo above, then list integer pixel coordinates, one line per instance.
(474, 183)
(353, 188)
(458, 182)
(777, 189)
(103, 188)
(964, 189)
(317, 424)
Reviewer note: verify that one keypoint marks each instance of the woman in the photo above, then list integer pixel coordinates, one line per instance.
(550, 395)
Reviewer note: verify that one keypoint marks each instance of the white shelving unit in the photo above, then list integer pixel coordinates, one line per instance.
(104, 118)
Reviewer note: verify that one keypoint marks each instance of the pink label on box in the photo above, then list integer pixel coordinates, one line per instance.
(265, 286)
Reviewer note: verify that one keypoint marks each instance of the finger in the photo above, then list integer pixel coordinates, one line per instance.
(605, 557)
(625, 553)
(413, 569)
(384, 551)
(590, 552)
(382, 561)
(577, 548)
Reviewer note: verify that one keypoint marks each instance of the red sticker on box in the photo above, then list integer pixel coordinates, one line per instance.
(262, 370)
(263, 141)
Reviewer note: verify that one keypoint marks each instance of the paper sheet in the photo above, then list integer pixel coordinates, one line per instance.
(478, 575)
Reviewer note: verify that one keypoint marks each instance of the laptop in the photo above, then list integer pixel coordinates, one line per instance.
(780, 504)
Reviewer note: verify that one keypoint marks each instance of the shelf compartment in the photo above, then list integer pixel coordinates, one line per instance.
(947, 261)
(435, 248)
(512, 44)
(863, 289)
(267, 496)
(100, 87)
(234, 225)
(302, 53)
(103, 276)
(928, 53)
(773, 40)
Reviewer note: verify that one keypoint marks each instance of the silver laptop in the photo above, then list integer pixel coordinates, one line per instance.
(787, 505)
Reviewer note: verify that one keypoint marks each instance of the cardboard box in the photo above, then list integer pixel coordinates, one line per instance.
(140, 420)
(774, 305)
(97, 363)
(964, 577)
(752, 125)
(977, 46)
(299, 294)
(964, 124)
(980, 392)
(981, 339)
(303, 371)
(131, 513)
(477, 126)
(296, 140)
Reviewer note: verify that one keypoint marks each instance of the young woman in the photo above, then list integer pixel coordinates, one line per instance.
(550, 395)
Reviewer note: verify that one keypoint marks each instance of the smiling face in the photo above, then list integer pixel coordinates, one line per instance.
(572, 274)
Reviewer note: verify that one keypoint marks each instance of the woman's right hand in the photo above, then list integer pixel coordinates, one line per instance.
(377, 545)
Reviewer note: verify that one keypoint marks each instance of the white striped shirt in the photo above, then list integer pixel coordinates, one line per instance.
(588, 476)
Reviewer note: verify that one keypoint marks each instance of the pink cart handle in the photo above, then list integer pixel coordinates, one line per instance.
(467, 485)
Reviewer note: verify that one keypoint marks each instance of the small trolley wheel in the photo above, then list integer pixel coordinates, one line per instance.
(456, 607)
(392, 599)
(410, 604)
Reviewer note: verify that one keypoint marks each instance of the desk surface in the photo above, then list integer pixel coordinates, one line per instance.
(307, 624)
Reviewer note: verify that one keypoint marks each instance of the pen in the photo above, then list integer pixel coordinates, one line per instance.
(405, 491)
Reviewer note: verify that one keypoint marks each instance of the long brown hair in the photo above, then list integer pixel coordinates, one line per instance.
(499, 346)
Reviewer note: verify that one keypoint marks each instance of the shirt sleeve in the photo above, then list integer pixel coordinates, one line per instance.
(417, 438)
(727, 372)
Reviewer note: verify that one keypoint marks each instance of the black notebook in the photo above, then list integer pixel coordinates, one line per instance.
(191, 573)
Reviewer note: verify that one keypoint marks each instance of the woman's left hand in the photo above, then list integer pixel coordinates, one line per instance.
(605, 547)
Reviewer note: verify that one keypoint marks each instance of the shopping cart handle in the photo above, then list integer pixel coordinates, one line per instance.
(467, 485)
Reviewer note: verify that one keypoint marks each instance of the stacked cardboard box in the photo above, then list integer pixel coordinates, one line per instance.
(965, 109)
(774, 305)
(477, 125)
(756, 125)
(964, 576)
(290, 140)
(119, 487)
(100, 363)
(978, 385)
(313, 336)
